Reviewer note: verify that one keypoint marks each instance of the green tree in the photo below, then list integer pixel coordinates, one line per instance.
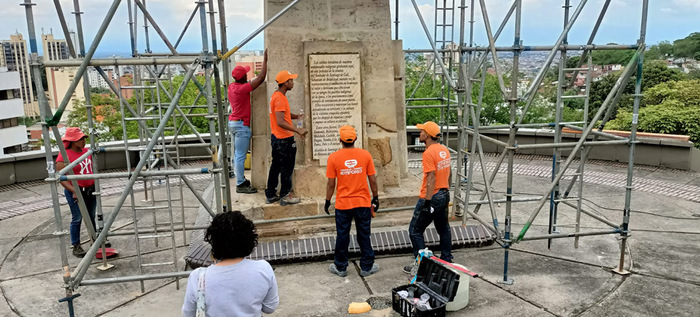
(607, 57)
(654, 73)
(662, 50)
(672, 107)
(105, 115)
(694, 74)
(494, 110)
(688, 46)
(416, 65)
(572, 62)
(100, 90)
(108, 118)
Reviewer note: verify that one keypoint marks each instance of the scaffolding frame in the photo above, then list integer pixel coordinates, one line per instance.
(471, 70)
(154, 150)
(157, 160)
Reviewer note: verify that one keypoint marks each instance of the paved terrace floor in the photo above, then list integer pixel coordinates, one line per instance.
(561, 281)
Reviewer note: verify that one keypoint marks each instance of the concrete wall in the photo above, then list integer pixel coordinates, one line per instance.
(336, 26)
(655, 152)
(29, 166)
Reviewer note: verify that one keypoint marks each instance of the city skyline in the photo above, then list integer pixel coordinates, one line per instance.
(541, 23)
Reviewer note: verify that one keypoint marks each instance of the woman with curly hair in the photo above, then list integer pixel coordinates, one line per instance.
(233, 285)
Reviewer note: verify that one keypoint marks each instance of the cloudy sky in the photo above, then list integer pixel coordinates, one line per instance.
(542, 22)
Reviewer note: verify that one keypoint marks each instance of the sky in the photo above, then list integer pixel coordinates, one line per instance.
(542, 22)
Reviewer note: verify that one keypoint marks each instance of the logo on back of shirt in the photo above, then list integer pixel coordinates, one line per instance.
(351, 169)
(351, 163)
(443, 154)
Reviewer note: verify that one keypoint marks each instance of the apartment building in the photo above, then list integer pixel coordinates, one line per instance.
(12, 134)
(15, 58)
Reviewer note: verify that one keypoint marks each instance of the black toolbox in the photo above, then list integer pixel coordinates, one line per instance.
(433, 278)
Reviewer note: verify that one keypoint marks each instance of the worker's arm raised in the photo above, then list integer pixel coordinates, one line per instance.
(255, 83)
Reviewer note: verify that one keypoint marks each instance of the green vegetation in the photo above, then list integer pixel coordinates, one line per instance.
(688, 47)
(671, 102)
(671, 107)
(107, 116)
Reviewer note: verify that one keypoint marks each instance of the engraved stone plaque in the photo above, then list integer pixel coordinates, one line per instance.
(336, 100)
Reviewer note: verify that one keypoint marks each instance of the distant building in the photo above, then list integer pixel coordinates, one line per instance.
(125, 80)
(96, 80)
(54, 49)
(15, 58)
(611, 68)
(59, 78)
(255, 62)
(12, 134)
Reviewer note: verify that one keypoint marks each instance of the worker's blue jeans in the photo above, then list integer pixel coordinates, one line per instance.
(241, 141)
(76, 217)
(343, 222)
(421, 220)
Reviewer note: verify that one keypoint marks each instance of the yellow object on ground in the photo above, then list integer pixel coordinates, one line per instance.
(359, 308)
(246, 163)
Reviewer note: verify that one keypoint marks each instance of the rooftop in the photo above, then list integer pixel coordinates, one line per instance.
(561, 281)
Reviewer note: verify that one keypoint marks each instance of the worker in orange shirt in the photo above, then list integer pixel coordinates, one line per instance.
(434, 194)
(352, 167)
(284, 149)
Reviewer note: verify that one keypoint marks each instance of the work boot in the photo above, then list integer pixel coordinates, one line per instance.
(334, 270)
(289, 200)
(245, 188)
(272, 200)
(78, 251)
(231, 174)
(374, 269)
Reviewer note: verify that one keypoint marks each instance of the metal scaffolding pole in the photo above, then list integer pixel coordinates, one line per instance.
(46, 113)
(620, 84)
(511, 142)
(633, 137)
(78, 274)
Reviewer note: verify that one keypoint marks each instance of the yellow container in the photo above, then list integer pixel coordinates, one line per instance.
(246, 164)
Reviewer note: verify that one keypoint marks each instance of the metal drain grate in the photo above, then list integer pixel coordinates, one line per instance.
(322, 248)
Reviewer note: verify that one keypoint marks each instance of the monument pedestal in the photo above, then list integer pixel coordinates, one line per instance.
(350, 73)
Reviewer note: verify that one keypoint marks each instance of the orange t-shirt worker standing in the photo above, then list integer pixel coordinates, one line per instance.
(352, 168)
(284, 149)
(434, 194)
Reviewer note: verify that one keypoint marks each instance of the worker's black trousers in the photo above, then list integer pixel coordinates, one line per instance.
(284, 152)
(343, 222)
(421, 219)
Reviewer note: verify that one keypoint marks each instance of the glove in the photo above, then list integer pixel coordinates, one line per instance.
(426, 207)
(328, 205)
(375, 203)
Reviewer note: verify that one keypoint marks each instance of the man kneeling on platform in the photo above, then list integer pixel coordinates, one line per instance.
(352, 167)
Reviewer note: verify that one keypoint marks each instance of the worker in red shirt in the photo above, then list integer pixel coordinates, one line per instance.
(352, 168)
(434, 194)
(74, 142)
(239, 121)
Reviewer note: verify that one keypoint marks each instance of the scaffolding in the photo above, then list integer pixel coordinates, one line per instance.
(157, 109)
(471, 69)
